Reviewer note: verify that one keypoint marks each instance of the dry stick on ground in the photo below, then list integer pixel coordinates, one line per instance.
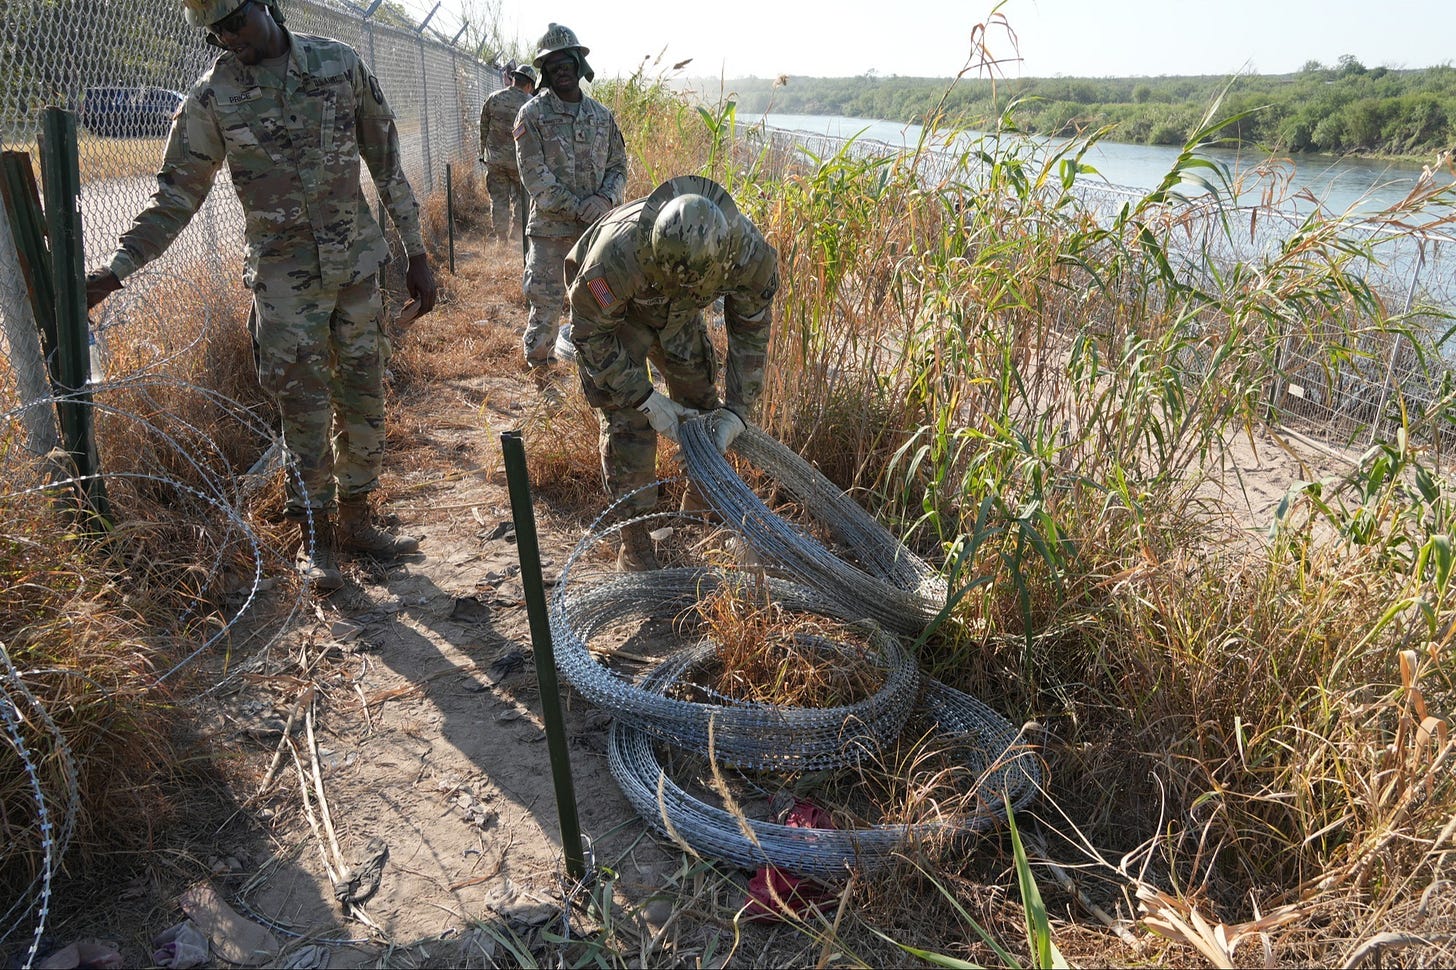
(364, 703)
(305, 698)
(334, 873)
(1065, 881)
(309, 813)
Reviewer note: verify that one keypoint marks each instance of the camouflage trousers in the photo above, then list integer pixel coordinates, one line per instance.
(321, 354)
(628, 443)
(545, 287)
(503, 184)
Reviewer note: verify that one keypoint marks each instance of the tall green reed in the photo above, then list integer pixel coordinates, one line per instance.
(1053, 397)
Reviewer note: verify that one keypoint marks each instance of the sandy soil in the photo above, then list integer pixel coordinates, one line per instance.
(428, 729)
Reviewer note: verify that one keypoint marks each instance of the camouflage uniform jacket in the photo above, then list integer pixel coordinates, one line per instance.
(564, 157)
(497, 119)
(293, 149)
(612, 278)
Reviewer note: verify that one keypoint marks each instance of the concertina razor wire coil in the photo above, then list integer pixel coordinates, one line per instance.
(753, 736)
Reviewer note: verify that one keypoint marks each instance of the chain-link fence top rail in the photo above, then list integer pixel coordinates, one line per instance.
(122, 65)
(1411, 270)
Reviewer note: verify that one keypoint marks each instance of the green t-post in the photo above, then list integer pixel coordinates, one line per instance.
(61, 178)
(519, 483)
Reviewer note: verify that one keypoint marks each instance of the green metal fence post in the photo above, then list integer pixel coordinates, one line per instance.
(450, 215)
(61, 175)
(519, 484)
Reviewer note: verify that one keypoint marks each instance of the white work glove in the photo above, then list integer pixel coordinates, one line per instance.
(592, 208)
(726, 426)
(664, 413)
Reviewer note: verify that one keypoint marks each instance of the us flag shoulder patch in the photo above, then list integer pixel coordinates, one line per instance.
(605, 298)
(519, 131)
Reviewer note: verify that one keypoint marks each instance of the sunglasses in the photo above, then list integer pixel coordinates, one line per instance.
(234, 21)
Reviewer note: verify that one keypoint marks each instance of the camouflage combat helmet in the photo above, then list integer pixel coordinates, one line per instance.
(205, 13)
(691, 232)
(526, 71)
(557, 38)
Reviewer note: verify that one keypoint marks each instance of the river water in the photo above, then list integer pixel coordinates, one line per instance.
(1405, 269)
(1340, 184)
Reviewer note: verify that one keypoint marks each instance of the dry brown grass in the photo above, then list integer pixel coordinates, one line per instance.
(87, 655)
(768, 654)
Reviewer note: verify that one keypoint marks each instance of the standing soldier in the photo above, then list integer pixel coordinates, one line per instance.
(498, 152)
(574, 166)
(292, 116)
(638, 281)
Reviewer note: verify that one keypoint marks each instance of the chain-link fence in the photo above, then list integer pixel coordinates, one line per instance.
(122, 66)
(1414, 274)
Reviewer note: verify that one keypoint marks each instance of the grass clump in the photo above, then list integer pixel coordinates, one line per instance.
(89, 737)
(769, 655)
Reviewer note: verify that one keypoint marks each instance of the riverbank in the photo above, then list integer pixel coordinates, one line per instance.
(1328, 110)
(1341, 183)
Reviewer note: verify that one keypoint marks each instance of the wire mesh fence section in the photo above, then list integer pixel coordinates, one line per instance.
(125, 66)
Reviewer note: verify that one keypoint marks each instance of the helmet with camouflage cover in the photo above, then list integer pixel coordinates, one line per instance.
(690, 239)
(557, 38)
(691, 225)
(525, 71)
(205, 13)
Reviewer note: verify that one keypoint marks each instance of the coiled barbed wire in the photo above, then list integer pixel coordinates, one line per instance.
(1006, 772)
(892, 586)
(743, 734)
(1006, 769)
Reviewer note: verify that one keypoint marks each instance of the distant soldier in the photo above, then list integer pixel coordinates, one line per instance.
(574, 166)
(638, 281)
(292, 116)
(498, 152)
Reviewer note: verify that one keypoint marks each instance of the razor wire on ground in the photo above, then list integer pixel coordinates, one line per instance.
(1412, 271)
(868, 579)
(177, 484)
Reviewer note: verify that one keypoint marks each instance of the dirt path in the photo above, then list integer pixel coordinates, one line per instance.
(429, 721)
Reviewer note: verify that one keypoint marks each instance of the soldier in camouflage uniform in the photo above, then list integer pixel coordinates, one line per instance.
(292, 116)
(638, 281)
(498, 152)
(574, 165)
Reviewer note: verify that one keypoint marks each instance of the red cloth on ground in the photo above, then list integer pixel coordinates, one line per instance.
(775, 894)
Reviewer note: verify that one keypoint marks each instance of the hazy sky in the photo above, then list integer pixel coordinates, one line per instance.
(932, 38)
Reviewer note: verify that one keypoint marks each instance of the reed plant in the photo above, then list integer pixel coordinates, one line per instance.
(1249, 715)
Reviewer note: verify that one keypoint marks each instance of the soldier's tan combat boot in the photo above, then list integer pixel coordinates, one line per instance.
(636, 554)
(358, 533)
(693, 502)
(315, 561)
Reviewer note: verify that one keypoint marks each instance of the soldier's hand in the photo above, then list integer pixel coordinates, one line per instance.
(419, 280)
(725, 426)
(100, 283)
(592, 208)
(663, 413)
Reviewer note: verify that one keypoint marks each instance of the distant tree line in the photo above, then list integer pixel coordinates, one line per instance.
(1343, 109)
